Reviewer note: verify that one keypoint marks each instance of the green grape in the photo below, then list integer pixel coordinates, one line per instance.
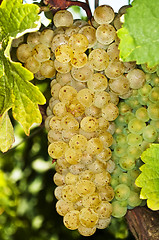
(134, 199)
(82, 74)
(128, 117)
(122, 192)
(155, 124)
(57, 149)
(127, 162)
(63, 18)
(136, 126)
(102, 178)
(134, 139)
(78, 42)
(97, 83)
(155, 79)
(153, 111)
(105, 34)
(63, 207)
(134, 173)
(149, 133)
(121, 139)
(124, 178)
(133, 102)
(94, 146)
(154, 95)
(114, 182)
(86, 231)
(119, 151)
(71, 178)
(85, 187)
(145, 90)
(71, 220)
(120, 121)
(17, 41)
(88, 217)
(142, 114)
(124, 108)
(89, 124)
(134, 151)
(93, 201)
(148, 69)
(104, 14)
(118, 210)
(98, 59)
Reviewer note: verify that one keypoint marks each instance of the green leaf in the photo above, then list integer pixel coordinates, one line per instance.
(148, 180)
(139, 36)
(6, 133)
(16, 91)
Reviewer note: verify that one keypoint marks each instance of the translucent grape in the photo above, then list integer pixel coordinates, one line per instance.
(124, 178)
(103, 123)
(58, 192)
(105, 34)
(104, 155)
(99, 59)
(104, 14)
(59, 109)
(55, 123)
(63, 79)
(55, 93)
(82, 74)
(113, 52)
(85, 97)
(73, 156)
(78, 42)
(58, 40)
(88, 217)
(127, 162)
(106, 138)
(85, 187)
(114, 69)
(58, 179)
(76, 108)
(71, 220)
(97, 166)
(110, 112)
(41, 52)
(62, 67)
(134, 199)
(94, 146)
(71, 178)
(84, 231)
(104, 210)
(92, 201)
(129, 66)
(71, 30)
(89, 124)
(119, 85)
(101, 99)
(134, 151)
(54, 136)
(33, 39)
(69, 193)
(103, 223)
(98, 82)
(63, 207)
(63, 53)
(136, 78)
(145, 90)
(32, 65)
(24, 51)
(90, 33)
(57, 149)
(47, 69)
(68, 122)
(102, 179)
(154, 95)
(79, 59)
(153, 111)
(67, 93)
(17, 41)
(78, 142)
(106, 192)
(63, 18)
(46, 37)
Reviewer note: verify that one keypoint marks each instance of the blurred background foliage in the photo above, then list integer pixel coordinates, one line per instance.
(27, 202)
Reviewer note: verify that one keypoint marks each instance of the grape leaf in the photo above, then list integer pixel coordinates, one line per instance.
(16, 91)
(148, 180)
(139, 36)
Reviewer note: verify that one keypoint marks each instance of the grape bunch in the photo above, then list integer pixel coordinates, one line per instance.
(91, 135)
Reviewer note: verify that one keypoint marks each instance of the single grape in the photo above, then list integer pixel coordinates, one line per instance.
(122, 192)
(57, 149)
(118, 210)
(88, 217)
(104, 14)
(105, 34)
(98, 59)
(85, 187)
(24, 51)
(63, 18)
(63, 207)
(149, 133)
(41, 53)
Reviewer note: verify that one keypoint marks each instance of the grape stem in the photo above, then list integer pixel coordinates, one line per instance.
(56, 5)
(96, 3)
